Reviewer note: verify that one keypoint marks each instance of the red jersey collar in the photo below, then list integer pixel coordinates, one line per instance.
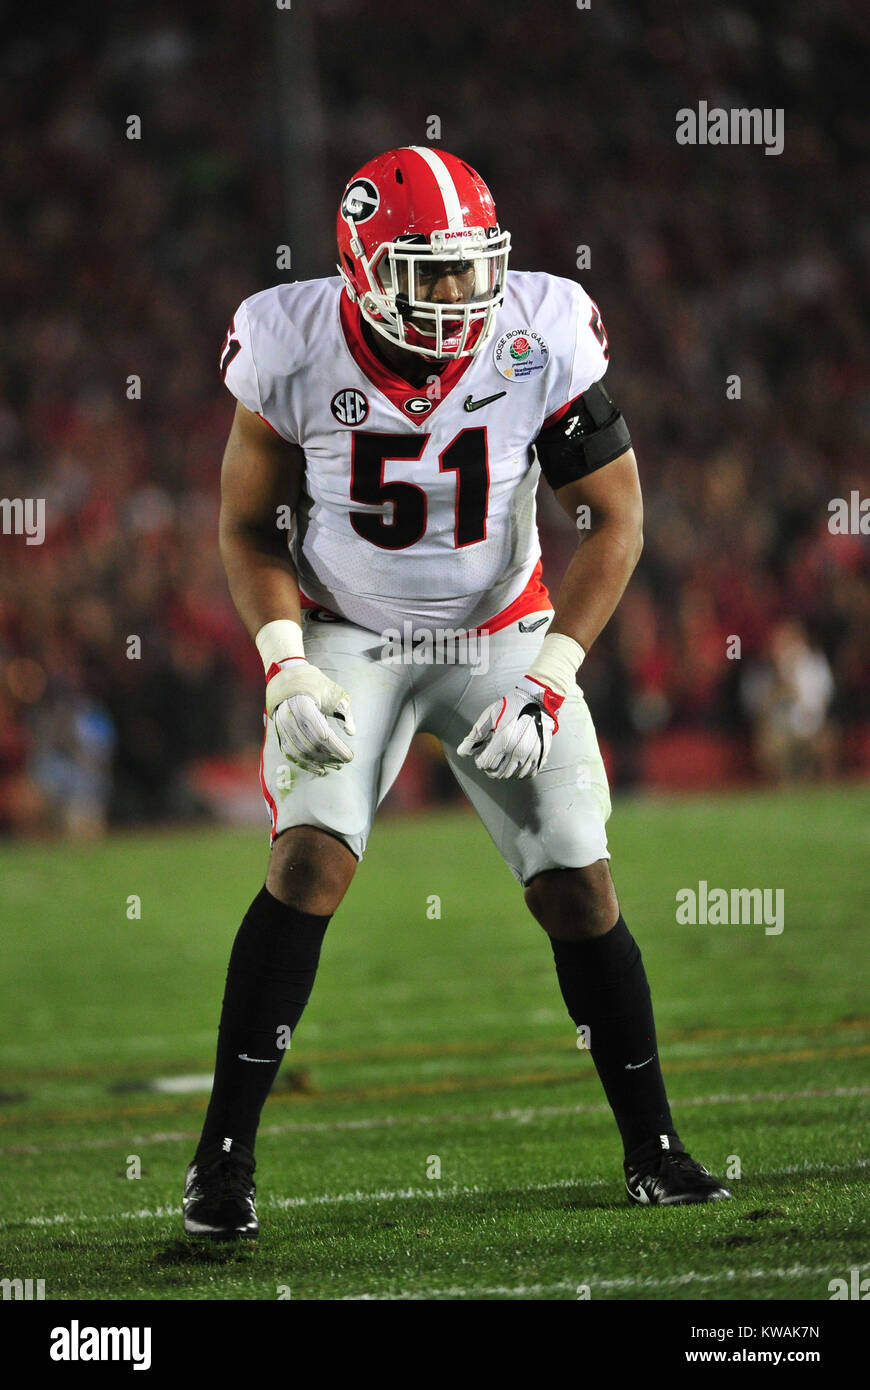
(397, 391)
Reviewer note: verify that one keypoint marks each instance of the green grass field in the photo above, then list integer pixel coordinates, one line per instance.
(441, 1038)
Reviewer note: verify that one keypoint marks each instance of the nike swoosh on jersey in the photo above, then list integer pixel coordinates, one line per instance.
(471, 404)
(530, 627)
(636, 1066)
(243, 1057)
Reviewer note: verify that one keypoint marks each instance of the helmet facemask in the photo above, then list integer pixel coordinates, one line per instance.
(402, 274)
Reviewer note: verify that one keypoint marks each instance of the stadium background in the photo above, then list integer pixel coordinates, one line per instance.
(125, 257)
(437, 1027)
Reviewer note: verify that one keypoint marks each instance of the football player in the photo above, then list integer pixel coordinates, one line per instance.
(404, 411)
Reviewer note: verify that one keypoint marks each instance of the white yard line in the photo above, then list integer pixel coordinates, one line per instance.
(519, 1115)
(435, 1192)
(648, 1281)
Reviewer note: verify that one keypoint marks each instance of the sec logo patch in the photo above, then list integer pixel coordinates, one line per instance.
(349, 407)
(521, 353)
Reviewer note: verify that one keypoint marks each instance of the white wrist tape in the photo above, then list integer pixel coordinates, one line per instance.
(558, 662)
(278, 640)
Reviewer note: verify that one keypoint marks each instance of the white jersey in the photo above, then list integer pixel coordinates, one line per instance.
(418, 503)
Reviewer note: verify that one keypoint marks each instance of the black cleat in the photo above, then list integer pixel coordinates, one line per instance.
(219, 1194)
(671, 1178)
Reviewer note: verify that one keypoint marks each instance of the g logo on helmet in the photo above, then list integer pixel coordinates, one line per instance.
(361, 201)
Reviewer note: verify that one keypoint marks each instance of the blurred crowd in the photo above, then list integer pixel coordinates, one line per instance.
(733, 286)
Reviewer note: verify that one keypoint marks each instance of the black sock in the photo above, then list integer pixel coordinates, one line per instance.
(270, 977)
(604, 985)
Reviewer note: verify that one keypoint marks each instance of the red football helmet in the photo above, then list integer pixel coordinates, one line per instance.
(421, 252)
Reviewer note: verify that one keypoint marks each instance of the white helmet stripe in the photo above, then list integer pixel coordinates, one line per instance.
(446, 186)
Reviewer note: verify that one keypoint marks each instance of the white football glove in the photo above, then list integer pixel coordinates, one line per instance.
(298, 697)
(512, 737)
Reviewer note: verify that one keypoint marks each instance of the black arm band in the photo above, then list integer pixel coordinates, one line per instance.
(589, 435)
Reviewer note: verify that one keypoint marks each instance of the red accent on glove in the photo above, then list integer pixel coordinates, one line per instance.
(278, 666)
(552, 702)
(500, 713)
